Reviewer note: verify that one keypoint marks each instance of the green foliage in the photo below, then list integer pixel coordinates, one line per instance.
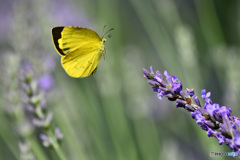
(114, 115)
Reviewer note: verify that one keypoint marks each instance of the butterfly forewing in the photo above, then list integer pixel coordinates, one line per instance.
(76, 37)
(56, 35)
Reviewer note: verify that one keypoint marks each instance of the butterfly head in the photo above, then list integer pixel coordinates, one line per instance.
(104, 40)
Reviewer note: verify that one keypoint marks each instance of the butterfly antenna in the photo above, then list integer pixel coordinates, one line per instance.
(108, 31)
(103, 29)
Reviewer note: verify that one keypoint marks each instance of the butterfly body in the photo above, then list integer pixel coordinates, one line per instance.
(80, 48)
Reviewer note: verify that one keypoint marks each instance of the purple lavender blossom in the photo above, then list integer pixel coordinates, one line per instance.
(46, 82)
(219, 122)
(35, 102)
(14, 109)
(46, 141)
(25, 149)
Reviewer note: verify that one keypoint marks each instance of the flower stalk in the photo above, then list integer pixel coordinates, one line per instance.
(219, 122)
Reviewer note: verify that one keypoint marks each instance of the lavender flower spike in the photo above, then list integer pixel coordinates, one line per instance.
(219, 122)
(35, 103)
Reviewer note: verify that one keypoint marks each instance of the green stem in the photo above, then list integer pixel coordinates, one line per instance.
(56, 145)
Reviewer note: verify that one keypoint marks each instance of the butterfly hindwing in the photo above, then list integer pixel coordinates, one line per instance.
(81, 65)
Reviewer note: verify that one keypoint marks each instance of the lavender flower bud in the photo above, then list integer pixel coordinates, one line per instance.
(158, 73)
(181, 101)
(190, 92)
(58, 134)
(45, 140)
(25, 151)
(151, 70)
(237, 140)
(196, 100)
(198, 116)
(189, 108)
(43, 122)
(210, 124)
(183, 94)
(153, 83)
(147, 74)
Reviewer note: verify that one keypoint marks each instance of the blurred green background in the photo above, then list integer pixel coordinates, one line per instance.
(115, 115)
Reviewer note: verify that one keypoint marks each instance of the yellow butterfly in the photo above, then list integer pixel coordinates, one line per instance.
(80, 49)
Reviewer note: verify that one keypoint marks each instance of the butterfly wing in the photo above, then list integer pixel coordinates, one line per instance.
(56, 35)
(81, 63)
(80, 48)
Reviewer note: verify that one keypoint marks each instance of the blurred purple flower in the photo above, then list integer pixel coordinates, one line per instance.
(46, 82)
(219, 122)
(6, 20)
(67, 14)
(25, 151)
(45, 140)
(58, 134)
(26, 71)
(36, 103)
